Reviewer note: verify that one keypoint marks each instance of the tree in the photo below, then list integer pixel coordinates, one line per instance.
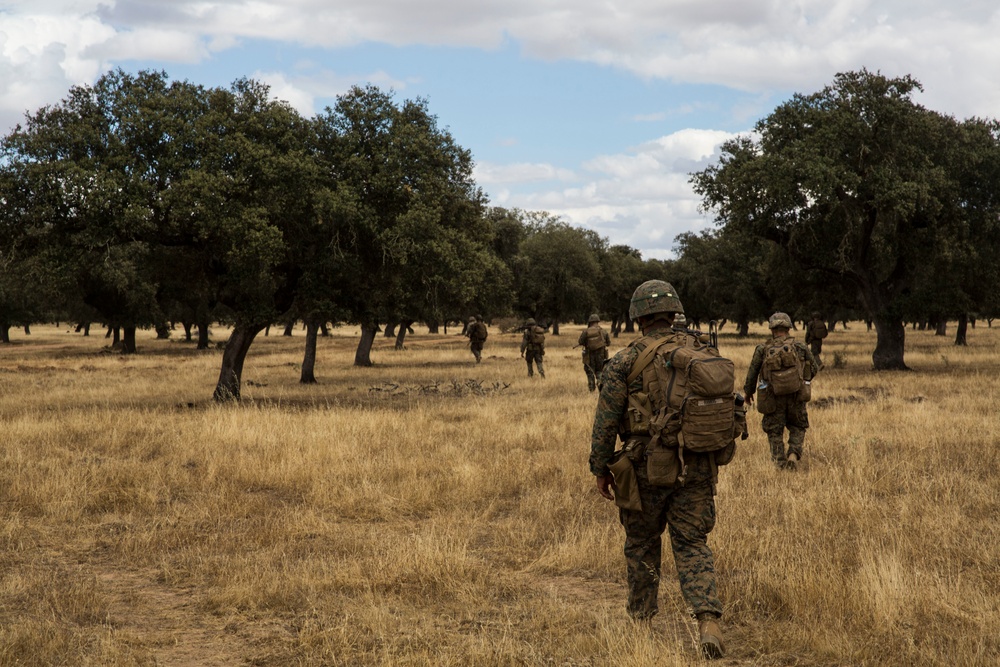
(857, 182)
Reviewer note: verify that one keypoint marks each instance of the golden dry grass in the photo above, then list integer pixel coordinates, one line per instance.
(430, 511)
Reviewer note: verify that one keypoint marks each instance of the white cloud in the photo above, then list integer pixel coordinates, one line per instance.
(493, 174)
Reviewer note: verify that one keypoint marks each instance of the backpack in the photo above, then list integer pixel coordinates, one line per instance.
(537, 335)
(783, 368)
(478, 332)
(687, 395)
(817, 330)
(595, 338)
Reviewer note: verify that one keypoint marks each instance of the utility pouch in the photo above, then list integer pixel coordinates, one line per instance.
(805, 393)
(639, 413)
(626, 486)
(785, 381)
(766, 402)
(662, 465)
(724, 456)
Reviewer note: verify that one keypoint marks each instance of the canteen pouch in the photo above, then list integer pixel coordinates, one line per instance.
(626, 486)
(805, 393)
(786, 381)
(662, 465)
(766, 402)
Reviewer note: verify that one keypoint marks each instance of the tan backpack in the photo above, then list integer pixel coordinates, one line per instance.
(783, 368)
(687, 396)
(595, 338)
(537, 335)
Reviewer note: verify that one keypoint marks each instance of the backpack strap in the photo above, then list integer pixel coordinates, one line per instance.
(645, 358)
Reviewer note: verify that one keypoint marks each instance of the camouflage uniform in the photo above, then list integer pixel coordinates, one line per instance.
(791, 413)
(815, 332)
(593, 360)
(533, 352)
(476, 332)
(686, 511)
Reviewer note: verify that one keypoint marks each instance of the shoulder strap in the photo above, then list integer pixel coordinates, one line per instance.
(644, 359)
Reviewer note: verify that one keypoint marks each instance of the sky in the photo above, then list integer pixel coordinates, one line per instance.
(596, 111)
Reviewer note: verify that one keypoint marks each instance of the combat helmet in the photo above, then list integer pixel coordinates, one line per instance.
(593, 318)
(472, 320)
(779, 320)
(530, 322)
(654, 296)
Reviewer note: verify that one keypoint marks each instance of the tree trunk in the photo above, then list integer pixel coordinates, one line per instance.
(309, 360)
(963, 329)
(128, 340)
(202, 335)
(942, 328)
(4, 332)
(27, 329)
(289, 327)
(432, 327)
(404, 326)
(116, 339)
(890, 337)
(324, 331)
(231, 374)
(743, 328)
(629, 325)
(363, 355)
(390, 329)
(162, 332)
(187, 331)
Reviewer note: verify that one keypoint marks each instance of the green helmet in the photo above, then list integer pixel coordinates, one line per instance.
(778, 321)
(654, 296)
(472, 320)
(593, 318)
(530, 322)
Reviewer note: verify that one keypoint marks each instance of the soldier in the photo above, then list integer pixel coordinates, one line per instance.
(815, 333)
(595, 342)
(533, 346)
(785, 368)
(686, 507)
(476, 331)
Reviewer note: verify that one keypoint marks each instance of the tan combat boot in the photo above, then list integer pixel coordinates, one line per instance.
(710, 636)
(793, 461)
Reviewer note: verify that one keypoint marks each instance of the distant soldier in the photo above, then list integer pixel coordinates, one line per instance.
(815, 333)
(785, 369)
(533, 346)
(476, 331)
(595, 342)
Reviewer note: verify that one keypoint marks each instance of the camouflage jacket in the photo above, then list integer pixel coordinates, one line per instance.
(613, 400)
(753, 373)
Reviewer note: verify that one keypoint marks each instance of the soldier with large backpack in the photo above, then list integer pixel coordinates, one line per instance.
(477, 333)
(533, 346)
(816, 331)
(785, 369)
(595, 341)
(669, 397)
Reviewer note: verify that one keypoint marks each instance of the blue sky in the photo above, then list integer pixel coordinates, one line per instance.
(592, 110)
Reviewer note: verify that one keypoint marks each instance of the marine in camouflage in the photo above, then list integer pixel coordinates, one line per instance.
(686, 512)
(533, 353)
(791, 413)
(593, 360)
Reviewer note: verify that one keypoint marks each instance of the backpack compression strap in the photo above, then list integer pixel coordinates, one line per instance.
(644, 359)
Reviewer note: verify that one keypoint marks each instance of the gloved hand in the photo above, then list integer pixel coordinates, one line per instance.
(604, 485)
(749, 400)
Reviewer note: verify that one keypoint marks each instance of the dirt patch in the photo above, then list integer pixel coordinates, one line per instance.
(441, 388)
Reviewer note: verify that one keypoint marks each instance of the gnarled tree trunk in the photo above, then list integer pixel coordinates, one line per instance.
(890, 338)
(363, 355)
(231, 374)
(128, 340)
(203, 335)
(963, 329)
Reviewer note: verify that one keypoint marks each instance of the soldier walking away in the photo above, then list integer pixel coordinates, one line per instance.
(476, 331)
(595, 342)
(659, 483)
(815, 333)
(781, 372)
(533, 346)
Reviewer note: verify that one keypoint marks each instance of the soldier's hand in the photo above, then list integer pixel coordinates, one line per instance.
(749, 400)
(604, 485)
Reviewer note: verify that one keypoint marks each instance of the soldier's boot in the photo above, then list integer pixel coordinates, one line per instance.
(796, 441)
(710, 636)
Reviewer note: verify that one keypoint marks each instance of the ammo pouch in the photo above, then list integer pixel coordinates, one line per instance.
(626, 486)
(662, 464)
(707, 424)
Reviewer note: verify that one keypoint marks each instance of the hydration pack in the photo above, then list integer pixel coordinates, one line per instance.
(783, 368)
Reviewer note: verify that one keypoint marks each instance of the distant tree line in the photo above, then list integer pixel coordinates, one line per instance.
(140, 201)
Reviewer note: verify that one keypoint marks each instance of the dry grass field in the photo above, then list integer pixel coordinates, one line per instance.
(431, 511)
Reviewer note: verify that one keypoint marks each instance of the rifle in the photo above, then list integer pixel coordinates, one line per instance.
(713, 333)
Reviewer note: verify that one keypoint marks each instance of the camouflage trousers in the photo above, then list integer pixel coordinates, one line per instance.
(477, 349)
(536, 357)
(793, 415)
(593, 364)
(816, 347)
(688, 514)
